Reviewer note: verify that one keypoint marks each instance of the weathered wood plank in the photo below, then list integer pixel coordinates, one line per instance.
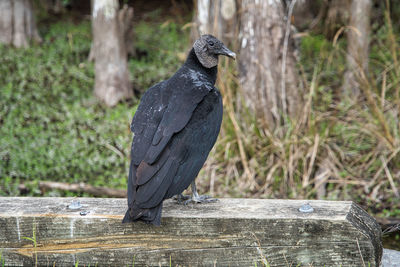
(390, 258)
(231, 232)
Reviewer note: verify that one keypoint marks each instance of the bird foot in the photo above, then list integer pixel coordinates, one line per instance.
(181, 199)
(184, 199)
(200, 199)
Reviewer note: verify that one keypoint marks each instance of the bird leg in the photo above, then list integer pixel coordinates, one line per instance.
(181, 198)
(196, 198)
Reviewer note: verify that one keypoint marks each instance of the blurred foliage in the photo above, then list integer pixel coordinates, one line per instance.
(51, 127)
(157, 47)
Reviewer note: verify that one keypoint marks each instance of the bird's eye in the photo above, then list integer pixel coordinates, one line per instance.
(211, 43)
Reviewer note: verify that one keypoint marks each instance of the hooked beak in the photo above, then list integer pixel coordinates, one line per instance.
(226, 52)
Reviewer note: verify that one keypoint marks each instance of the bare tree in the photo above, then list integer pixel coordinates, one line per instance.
(53, 6)
(337, 16)
(112, 82)
(218, 17)
(267, 62)
(125, 17)
(125, 20)
(307, 13)
(17, 23)
(357, 47)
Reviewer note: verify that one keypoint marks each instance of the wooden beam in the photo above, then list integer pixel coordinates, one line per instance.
(230, 232)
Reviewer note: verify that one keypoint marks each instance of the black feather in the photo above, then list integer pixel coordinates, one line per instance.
(175, 127)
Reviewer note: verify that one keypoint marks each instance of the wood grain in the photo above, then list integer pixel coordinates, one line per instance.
(231, 232)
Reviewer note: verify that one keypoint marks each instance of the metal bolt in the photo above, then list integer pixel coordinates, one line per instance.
(306, 208)
(76, 204)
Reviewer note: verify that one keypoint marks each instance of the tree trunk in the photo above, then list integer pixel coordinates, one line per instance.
(266, 53)
(125, 17)
(17, 23)
(112, 82)
(267, 63)
(307, 13)
(125, 20)
(357, 47)
(52, 6)
(219, 18)
(337, 16)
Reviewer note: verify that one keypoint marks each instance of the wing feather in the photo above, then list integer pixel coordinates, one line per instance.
(160, 146)
(153, 192)
(146, 121)
(176, 116)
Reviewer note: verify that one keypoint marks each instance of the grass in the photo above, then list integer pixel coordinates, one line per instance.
(34, 241)
(2, 260)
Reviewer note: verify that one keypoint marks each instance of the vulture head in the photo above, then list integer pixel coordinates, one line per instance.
(208, 48)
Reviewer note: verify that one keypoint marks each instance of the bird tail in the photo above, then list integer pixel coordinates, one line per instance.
(151, 216)
(127, 218)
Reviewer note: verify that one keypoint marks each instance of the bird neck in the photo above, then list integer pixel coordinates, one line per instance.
(193, 62)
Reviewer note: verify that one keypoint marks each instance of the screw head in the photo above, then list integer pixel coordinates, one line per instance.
(306, 208)
(76, 204)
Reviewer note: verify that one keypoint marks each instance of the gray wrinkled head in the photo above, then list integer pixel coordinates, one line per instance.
(208, 48)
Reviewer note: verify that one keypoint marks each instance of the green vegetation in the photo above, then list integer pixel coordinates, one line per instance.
(52, 128)
(34, 241)
(2, 260)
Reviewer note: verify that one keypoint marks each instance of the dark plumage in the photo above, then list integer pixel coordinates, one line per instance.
(175, 127)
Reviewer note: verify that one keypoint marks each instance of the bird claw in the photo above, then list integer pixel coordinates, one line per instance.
(181, 199)
(200, 199)
(195, 198)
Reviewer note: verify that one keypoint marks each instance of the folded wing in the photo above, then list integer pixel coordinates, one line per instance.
(162, 113)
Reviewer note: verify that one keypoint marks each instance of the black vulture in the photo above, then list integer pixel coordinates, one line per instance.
(175, 127)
